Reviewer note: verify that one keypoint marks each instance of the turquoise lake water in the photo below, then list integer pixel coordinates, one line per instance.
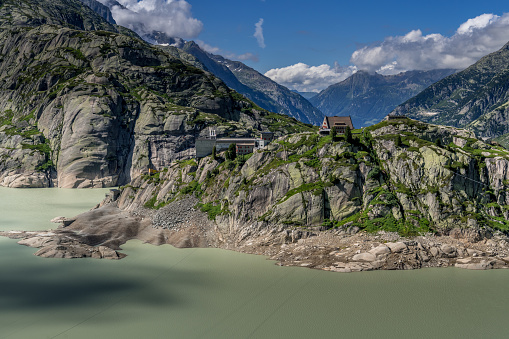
(163, 292)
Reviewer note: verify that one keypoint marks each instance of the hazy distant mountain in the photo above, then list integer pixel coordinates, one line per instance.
(476, 98)
(261, 90)
(278, 98)
(368, 98)
(306, 95)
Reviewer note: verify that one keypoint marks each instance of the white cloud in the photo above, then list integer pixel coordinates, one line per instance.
(259, 33)
(208, 48)
(172, 17)
(229, 55)
(480, 21)
(305, 78)
(474, 39)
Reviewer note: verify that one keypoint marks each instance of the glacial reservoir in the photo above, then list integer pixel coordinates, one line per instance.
(163, 292)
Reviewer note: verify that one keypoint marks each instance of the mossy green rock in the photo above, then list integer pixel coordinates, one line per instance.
(304, 180)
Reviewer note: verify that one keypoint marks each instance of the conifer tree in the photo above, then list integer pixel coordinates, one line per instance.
(333, 133)
(398, 141)
(348, 134)
(231, 154)
(214, 155)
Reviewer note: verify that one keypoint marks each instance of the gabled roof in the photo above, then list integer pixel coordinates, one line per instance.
(339, 121)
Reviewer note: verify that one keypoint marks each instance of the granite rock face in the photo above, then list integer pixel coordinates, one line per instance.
(84, 103)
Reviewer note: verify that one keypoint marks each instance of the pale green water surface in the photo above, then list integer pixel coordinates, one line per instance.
(163, 292)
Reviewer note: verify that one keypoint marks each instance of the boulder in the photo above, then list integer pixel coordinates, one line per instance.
(365, 257)
(396, 247)
(380, 250)
(482, 265)
(448, 251)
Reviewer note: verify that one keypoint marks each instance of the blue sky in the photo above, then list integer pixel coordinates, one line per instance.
(319, 31)
(309, 44)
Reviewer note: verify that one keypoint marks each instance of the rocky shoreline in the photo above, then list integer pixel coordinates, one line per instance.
(100, 232)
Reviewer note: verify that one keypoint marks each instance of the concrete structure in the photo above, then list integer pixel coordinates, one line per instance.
(339, 123)
(204, 146)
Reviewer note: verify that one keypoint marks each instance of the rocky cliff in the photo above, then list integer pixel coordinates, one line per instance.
(101, 9)
(402, 176)
(84, 105)
(401, 195)
(368, 98)
(476, 98)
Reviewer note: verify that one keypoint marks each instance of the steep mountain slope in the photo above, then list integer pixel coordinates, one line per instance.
(255, 86)
(476, 98)
(279, 98)
(261, 90)
(368, 98)
(82, 105)
(72, 14)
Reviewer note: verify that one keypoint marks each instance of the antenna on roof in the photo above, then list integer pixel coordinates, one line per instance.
(212, 133)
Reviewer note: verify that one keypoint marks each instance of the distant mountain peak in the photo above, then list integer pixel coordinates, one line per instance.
(369, 97)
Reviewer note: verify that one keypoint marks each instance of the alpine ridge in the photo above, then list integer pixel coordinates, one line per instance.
(255, 86)
(476, 98)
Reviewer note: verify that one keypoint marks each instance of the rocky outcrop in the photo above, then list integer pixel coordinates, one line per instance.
(100, 233)
(310, 197)
(388, 198)
(102, 10)
(395, 176)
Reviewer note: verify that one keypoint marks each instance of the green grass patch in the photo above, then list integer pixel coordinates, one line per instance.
(212, 209)
(194, 187)
(315, 187)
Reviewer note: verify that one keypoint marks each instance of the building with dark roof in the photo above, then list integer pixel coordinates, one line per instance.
(339, 123)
